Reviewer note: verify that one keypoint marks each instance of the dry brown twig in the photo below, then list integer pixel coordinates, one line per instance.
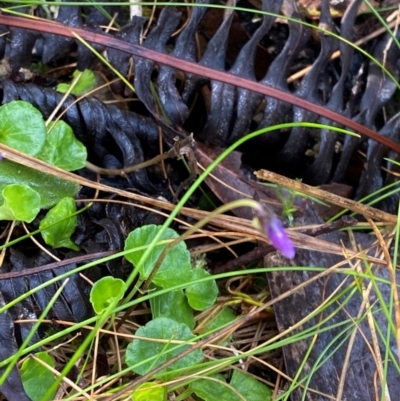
(223, 221)
(328, 197)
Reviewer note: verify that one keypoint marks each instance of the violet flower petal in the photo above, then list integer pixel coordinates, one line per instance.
(278, 237)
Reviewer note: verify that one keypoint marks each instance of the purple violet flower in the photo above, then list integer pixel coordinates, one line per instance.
(276, 233)
(279, 238)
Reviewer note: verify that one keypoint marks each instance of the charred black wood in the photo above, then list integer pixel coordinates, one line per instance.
(232, 111)
(323, 347)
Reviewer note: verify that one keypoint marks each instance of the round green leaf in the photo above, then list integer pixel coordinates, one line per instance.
(59, 224)
(213, 389)
(143, 356)
(176, 267)
(201, 295)
(22, 127)
(173, 305)
(51, 189)
(144, 392)
(249, 387)
(36, 378)
(217, 389)
(62, 149)
(21, 202)
(105, 291)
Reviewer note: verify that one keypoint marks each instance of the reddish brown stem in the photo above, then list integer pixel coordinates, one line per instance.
(41, 25)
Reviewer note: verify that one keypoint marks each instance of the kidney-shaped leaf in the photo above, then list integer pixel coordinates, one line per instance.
(250, 387)
(59, 224)
(143, 355)
(216, 388)
(22, 127)
(50, 189)
(105, 291)
(176, 267)
(173, 305)
(86, 82)
(62, 149)
(36, 378)
(21, 202)
(213, 388)
(201, 295)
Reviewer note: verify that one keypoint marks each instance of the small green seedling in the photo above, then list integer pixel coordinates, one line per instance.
(85, 82)
(104, 292)
(287, 198)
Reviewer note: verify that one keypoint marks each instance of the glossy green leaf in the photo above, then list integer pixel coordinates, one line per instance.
(176, 267)
(204, 294)
(105, 291)
(214, 388)
(85, 83)
(50, 189)
(21, 202)
(144, 392)
(59, 235)
(143, 356)
(173, 305)
(249, 387)
(62, 149)
(37, 379)
(22, 127)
